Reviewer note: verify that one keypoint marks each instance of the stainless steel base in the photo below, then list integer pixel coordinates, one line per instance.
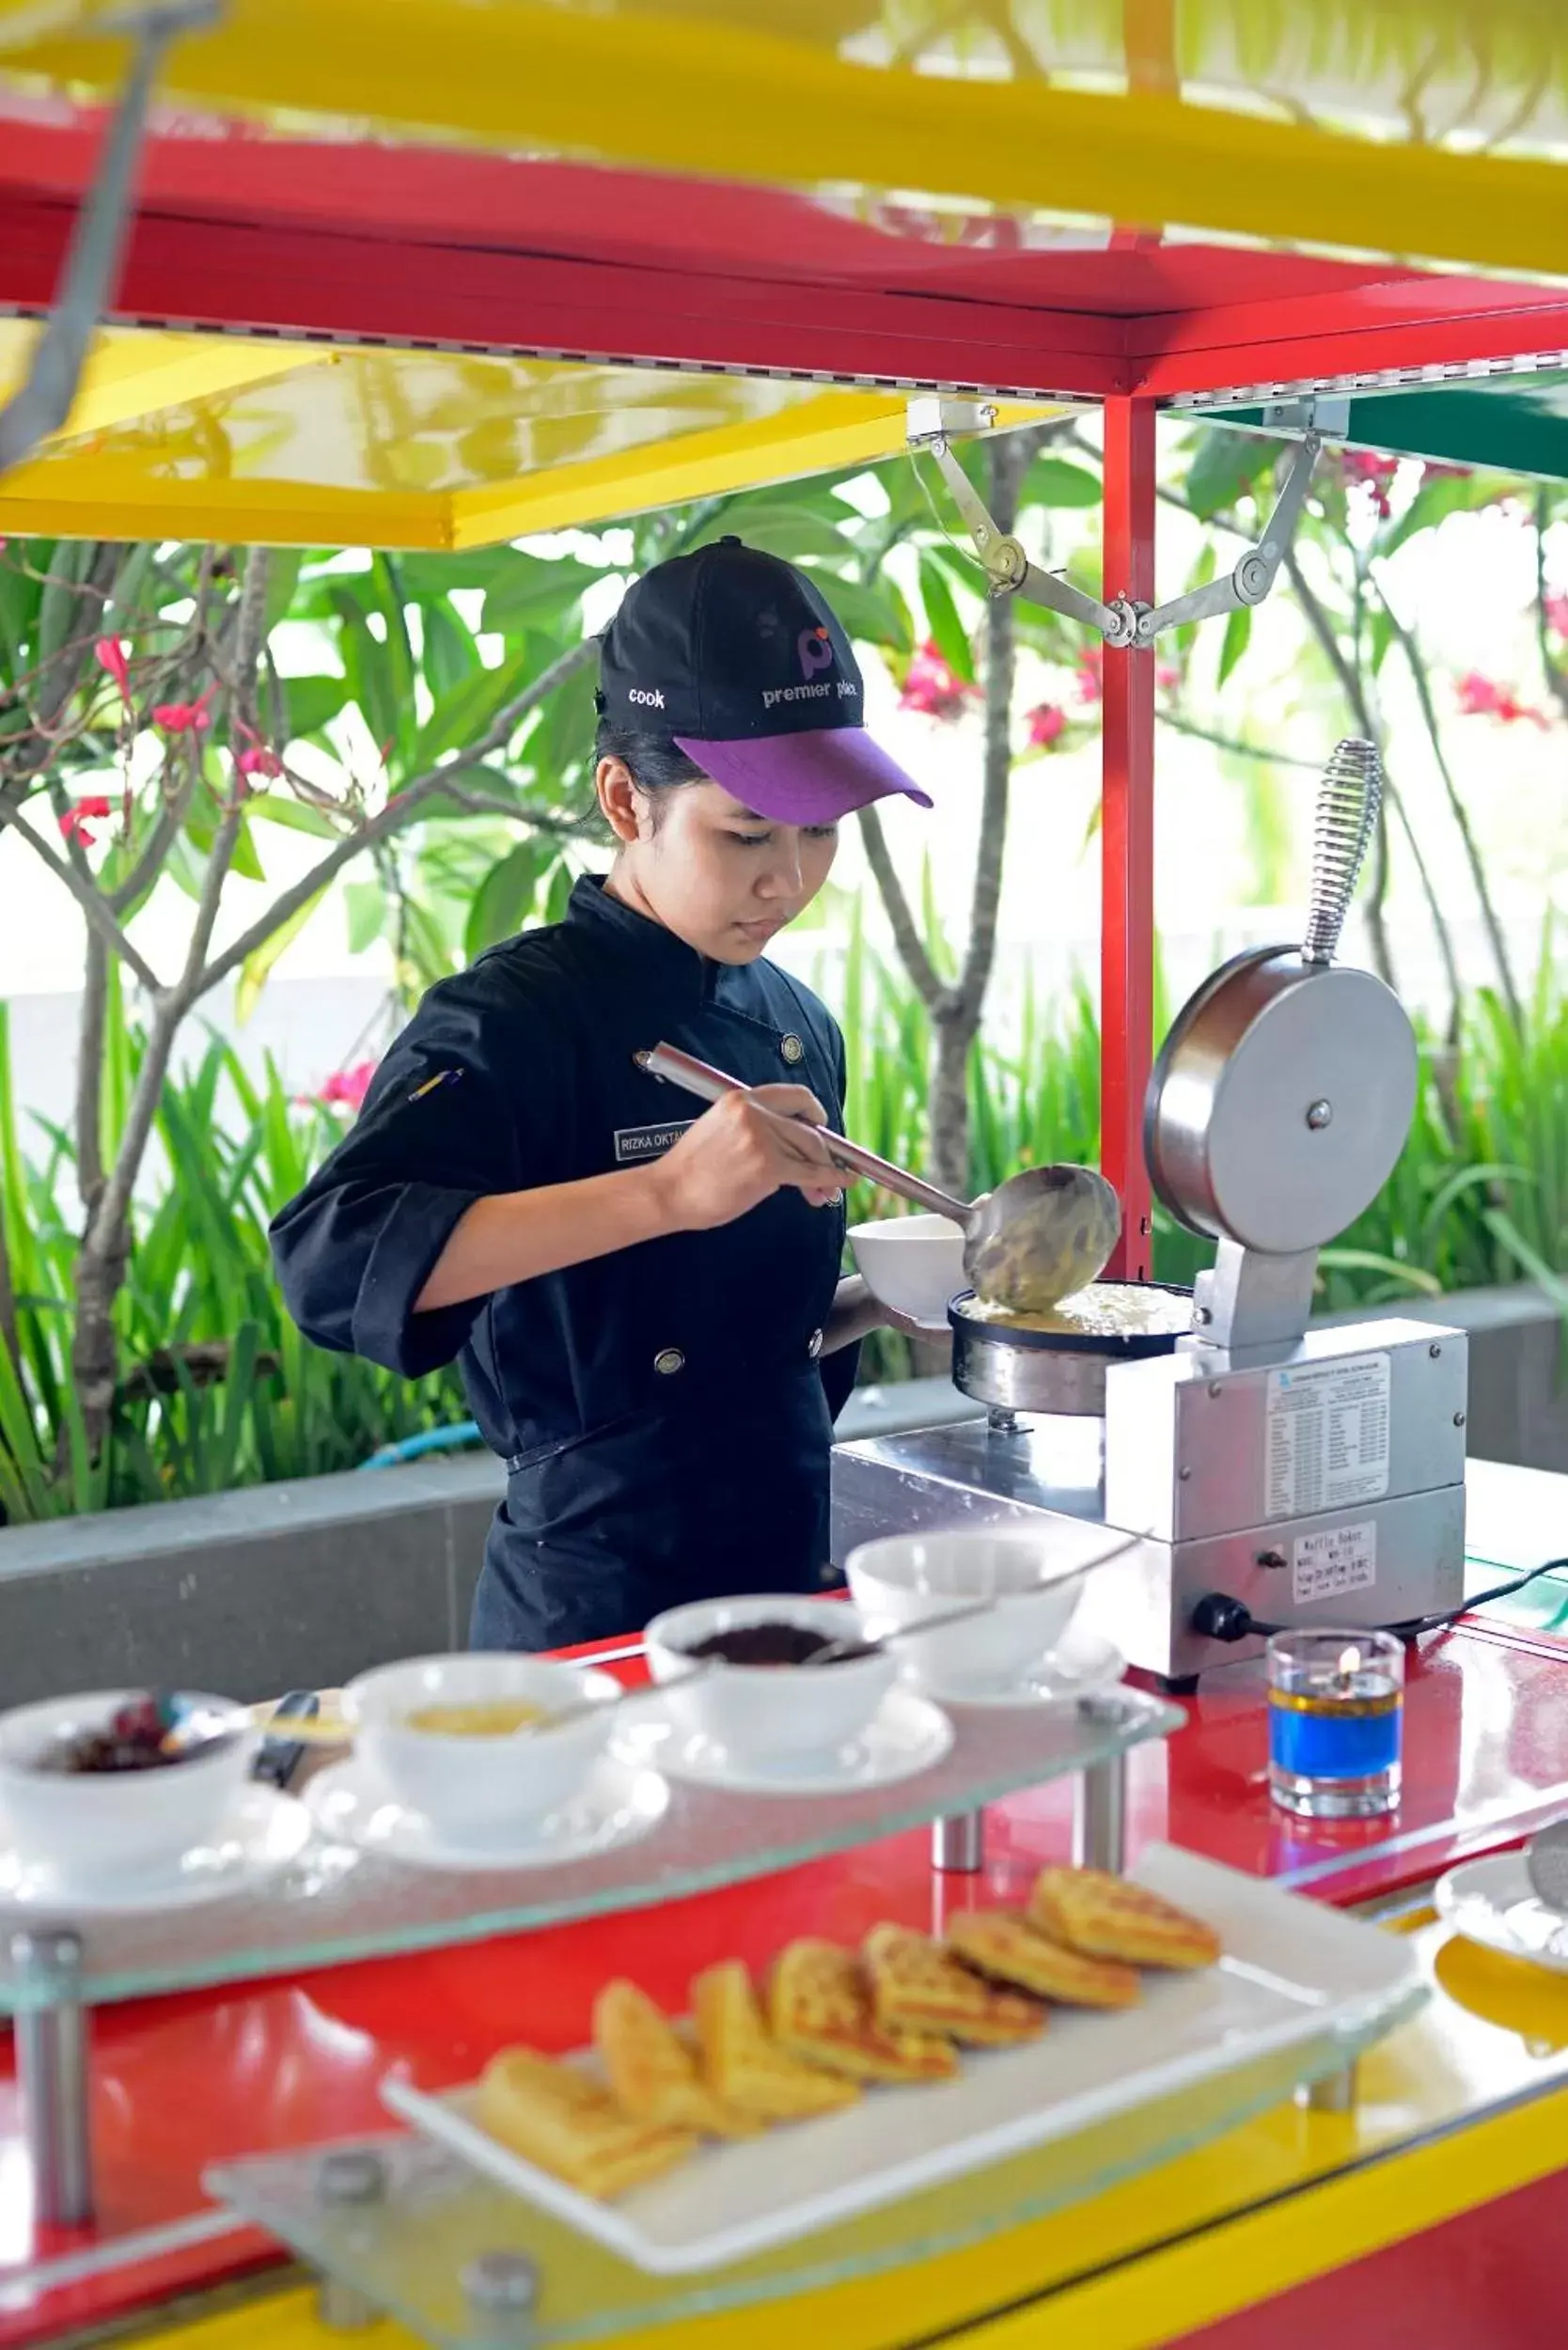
(958, 1844)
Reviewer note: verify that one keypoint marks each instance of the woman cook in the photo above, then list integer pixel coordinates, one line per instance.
(645, 1299)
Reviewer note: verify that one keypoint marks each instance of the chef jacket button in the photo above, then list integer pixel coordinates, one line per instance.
(668, 1360)
(793, 1050)
(814, 1344)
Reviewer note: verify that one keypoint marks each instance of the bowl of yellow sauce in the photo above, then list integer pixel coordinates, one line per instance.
(481, 1745)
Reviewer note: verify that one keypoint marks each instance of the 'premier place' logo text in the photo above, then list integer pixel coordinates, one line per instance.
(816, 692)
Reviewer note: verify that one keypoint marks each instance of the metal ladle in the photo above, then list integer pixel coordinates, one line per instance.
(1041, 1236)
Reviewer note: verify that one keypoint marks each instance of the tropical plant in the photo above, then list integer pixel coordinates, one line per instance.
(147, 732)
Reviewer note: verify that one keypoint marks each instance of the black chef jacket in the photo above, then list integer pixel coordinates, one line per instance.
(662, 1412)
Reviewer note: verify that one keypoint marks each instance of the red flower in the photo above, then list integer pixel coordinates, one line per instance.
(346, 1088)
(1483, 698)
(1362, 471)
(76, 821)
(185, 717)
(1048, 724)
(110, 654)
(1557, 613)
(1167, 677)
(932, 686)
(258, 761)
(1090, 675)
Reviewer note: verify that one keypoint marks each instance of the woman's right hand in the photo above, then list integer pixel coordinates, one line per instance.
(734, 1157)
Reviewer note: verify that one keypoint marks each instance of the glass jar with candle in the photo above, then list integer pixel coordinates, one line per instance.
(1336, 1702)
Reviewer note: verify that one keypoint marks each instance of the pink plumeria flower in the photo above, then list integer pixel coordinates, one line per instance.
(933, 688)
(185, 717)
(111, 654)
(76, 821)
(346, 1088)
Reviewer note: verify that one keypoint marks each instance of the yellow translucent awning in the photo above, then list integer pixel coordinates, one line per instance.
(298, 443)
(1433, 129)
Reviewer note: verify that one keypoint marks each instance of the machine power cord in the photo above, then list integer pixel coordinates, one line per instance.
(1218, 1616)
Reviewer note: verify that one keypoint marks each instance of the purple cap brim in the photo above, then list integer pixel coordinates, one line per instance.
(813, 776)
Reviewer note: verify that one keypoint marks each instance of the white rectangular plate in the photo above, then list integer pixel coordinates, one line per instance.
(1290, 1969)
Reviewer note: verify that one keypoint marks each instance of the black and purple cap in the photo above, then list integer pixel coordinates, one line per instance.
(735, 654)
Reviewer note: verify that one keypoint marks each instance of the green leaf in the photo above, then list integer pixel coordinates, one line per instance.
(1226, 466)
(462, 715)
(256, 969)
(947, 631)
(534, 587)
(311, 703)
(1380, 635)
(787, 528)
(451, 656)
(505, 897)
(365, 905)
(281, 807)
(1238, 636)
(244, 860)
(873, 615)
(283, 579)
(1435, 501)
(1055, 481)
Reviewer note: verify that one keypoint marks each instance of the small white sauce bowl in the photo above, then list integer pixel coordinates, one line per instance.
(117, 1824)
(1033, 1579)
(914, 1264)
(769, 1715)
(477, 1788)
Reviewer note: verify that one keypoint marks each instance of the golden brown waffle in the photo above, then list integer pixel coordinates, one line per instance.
(1001, 1943)
(917, 1985)
(743, 2065)
(1111, 1917)
(555, 2116)
(651, 2072)
(820, 2007)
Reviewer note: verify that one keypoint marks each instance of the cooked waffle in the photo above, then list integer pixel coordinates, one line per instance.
(918, 1987)
(1002, 1943)
(820, 2007)
(1112, 1917)
(558, 2118)
(653, 2073)
(743, 2065)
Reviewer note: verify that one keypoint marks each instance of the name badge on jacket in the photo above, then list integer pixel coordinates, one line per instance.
(635, 1143)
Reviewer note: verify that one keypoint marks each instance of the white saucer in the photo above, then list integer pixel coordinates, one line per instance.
(906, 1736)
(264, 1833)
(1080, 1665)
(619, 1802)
(1490, 1902)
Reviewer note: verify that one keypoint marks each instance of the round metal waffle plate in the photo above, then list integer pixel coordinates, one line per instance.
(1119, 1345)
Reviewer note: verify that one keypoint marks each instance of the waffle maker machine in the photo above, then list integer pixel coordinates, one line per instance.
(1276, 1473)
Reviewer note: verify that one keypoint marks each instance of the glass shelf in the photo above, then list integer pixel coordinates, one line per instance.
(337, 1903)
(408, 2251)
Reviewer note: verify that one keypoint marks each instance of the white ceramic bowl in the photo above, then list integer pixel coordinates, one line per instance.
(914, 1264)
(477, 1788)
(1030, 1573)
(120, 1824)
(770, 1715)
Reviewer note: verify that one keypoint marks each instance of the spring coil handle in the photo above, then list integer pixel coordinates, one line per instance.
(1349, 798)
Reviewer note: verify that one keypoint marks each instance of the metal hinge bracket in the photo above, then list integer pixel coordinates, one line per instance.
(1010, 572)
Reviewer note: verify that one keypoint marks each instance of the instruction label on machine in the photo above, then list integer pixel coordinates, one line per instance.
(1327, 1436)
(1342, 1560)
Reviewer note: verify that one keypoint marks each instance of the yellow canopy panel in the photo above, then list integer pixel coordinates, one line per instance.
(204, 436)
(1435, 128)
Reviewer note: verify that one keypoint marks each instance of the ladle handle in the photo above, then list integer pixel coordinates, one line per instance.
(1349, 799)
(712, 1085)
